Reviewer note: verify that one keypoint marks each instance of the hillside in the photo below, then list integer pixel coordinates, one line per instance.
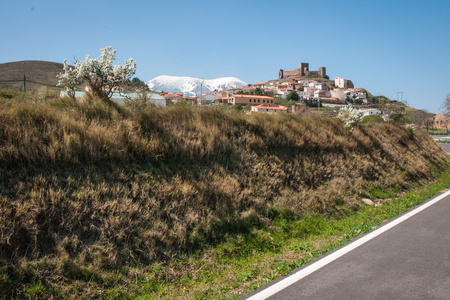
(38, 74)
(110, 201)
(40, 77)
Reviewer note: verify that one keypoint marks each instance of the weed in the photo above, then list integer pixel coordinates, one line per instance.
(112, 201)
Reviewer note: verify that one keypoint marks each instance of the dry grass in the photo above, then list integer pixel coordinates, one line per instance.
(92, 195)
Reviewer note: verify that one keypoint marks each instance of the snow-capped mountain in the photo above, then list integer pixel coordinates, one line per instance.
(190, 86)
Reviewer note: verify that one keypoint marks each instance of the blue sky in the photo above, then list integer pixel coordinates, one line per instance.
(384, 46)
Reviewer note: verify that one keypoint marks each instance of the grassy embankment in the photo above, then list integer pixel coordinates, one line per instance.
(123, 201)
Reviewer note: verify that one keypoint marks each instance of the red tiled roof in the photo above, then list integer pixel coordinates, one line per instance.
(251, 96)
(172, 95)
(276, 107)
(261, 83)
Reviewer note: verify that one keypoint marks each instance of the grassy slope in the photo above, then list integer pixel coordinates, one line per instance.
(37, 71)
(110, 201)
(40, 75)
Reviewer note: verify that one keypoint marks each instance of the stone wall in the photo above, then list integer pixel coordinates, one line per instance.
(303, 71)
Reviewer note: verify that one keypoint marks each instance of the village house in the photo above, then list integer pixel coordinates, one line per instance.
(270, 86)
(211, 97)
(249, 99)
(440, 121)
(371, 112)
(246, 89)
(302, 82)
(269, 92)
(193, 100)
(309, 92)
(313, 83)
(260, 85)
(343, 83)
(283, 90)
(269, 108)
(321, 94)
(332, 100)
(304, 95)
(173, 97)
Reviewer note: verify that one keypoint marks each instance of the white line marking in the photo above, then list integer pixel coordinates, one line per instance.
(277, 287)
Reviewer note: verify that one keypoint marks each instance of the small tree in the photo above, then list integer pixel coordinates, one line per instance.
(293, 96)
(418, 116)
(395, 109)
(445, 107)
(99, 74)
(138, 84)
(258, 91)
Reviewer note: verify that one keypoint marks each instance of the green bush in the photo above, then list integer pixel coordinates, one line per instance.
(372, 119)
(7, 94)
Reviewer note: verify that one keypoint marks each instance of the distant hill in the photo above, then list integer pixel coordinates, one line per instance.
(190, 86)
(39, 74)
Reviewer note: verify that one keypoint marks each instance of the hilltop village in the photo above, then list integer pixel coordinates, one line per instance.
(294, 92)
(299, 91)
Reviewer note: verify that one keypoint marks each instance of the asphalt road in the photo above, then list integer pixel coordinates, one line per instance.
(407, 258)
(446, 147)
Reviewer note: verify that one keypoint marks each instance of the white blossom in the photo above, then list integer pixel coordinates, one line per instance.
(350, 117)
(69, 79)
(411, 127)
(98, 73)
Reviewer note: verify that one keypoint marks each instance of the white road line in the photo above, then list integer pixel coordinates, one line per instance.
(277, 287)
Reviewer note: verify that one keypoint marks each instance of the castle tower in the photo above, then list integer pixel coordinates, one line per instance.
(304, 68)
(323, 72)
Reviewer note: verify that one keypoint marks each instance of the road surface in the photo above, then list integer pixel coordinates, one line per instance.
(446, 147)
(406, 258)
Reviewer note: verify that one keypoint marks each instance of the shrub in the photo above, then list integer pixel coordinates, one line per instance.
(7, 94)
(350, 117)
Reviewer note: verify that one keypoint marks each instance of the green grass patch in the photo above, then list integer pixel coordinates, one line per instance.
(108, 201)
(242, 264)
(435, 130)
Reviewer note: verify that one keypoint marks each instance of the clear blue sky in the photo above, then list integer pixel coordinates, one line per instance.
(386, 46)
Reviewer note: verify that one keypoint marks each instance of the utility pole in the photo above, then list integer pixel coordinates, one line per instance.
(201, 92)
(24, 83)
(401, 93)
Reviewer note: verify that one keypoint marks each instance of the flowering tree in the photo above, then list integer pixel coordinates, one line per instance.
(69, 80)
(99, 74)
(350, 116)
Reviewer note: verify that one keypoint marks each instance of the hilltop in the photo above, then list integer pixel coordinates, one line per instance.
(38, 74)
(40, 77)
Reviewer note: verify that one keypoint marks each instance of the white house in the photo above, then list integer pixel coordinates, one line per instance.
(371, 112)
(321, 94)
(261, 84)
(343, 83)
(312, 83)
(304, 95)
(309, 91)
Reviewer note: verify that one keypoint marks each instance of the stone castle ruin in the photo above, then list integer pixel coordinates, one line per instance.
(303, 71)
